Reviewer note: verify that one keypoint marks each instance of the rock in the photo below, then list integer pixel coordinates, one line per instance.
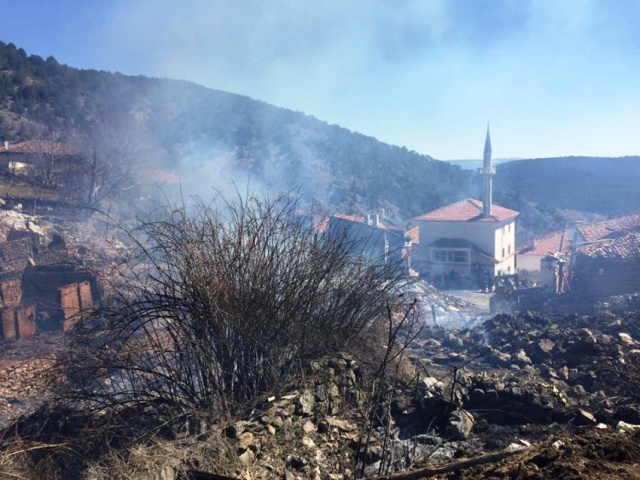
(306, 403)
(308, 427)
(430, 384)
(627, 427)
(626, 339)
(558, 444)
(461, 424)
(451, 341)
(246, 440)
(343, 425)
(522, 357)
(502, 358)
(546, 345)
(307, 442)
(247, 457)
(583, 417)
(514, 447)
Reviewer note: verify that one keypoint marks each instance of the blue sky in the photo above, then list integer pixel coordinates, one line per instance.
(554, 77)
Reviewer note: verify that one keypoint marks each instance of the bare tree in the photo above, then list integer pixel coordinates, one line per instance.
(113, 154)
(223, 304)
(50, 147)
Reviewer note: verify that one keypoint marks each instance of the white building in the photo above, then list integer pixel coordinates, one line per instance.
(470, 236)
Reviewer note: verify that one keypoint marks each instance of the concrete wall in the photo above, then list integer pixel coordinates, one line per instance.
(490, 237)
(530, 263)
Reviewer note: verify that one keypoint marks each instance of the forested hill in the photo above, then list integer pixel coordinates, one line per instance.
(194, 126)
(608, 186)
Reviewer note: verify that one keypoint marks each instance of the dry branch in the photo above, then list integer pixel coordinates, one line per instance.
(427, 472)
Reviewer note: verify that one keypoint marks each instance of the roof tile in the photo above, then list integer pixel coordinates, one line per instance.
(468, 210)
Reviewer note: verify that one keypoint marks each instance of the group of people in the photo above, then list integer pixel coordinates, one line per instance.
(462, 281)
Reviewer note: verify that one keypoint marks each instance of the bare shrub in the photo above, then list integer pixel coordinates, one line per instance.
(221, 304)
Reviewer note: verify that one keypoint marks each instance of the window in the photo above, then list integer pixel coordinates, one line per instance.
(509, 249)
(503, 253)
(458, 256)
(450, 256)
(440, 255)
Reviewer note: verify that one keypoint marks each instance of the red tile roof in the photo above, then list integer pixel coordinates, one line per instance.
(39, 146)
(350, 218)
(468, 210)
(624, 247)
(596, 231)
(384, 225)
(547, 244)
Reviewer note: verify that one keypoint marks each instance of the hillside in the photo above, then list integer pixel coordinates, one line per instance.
(214, 138)
(607, 186)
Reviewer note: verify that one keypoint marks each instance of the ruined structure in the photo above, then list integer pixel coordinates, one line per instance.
(609, 266)
(41, 285)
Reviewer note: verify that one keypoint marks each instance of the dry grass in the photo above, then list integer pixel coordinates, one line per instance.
(163, 459)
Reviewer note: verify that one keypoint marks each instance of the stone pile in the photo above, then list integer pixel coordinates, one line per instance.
(24, 365)
(437, 309)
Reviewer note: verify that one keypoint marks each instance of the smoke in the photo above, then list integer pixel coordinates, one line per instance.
(555, 78)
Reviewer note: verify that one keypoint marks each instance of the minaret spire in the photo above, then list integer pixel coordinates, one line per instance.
(487, 144)
(487, 176)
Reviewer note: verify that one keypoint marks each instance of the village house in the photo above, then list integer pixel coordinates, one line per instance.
(609, 266)
(596, 259)
(52, 163)
(530, 256)
(470, 237)
(605, 257)
(373, 236)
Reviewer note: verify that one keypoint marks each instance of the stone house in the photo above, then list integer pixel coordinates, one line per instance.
(610, 266)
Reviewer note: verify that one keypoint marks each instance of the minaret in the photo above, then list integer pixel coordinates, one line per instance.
(487, 177)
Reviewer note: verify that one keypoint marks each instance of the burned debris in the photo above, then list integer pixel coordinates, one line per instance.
(42, 286)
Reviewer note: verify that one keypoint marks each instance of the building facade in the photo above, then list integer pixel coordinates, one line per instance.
(471, 237)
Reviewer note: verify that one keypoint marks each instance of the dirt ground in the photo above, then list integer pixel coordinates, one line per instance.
(475, 298)
(593, 454)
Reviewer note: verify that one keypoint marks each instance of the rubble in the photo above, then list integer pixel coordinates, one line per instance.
(543, 386)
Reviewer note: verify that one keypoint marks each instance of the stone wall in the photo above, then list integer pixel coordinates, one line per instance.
(11, 286)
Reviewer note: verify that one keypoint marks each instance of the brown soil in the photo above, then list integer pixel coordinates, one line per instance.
(592, 454)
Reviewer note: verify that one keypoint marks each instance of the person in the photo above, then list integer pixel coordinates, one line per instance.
(488, 282)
